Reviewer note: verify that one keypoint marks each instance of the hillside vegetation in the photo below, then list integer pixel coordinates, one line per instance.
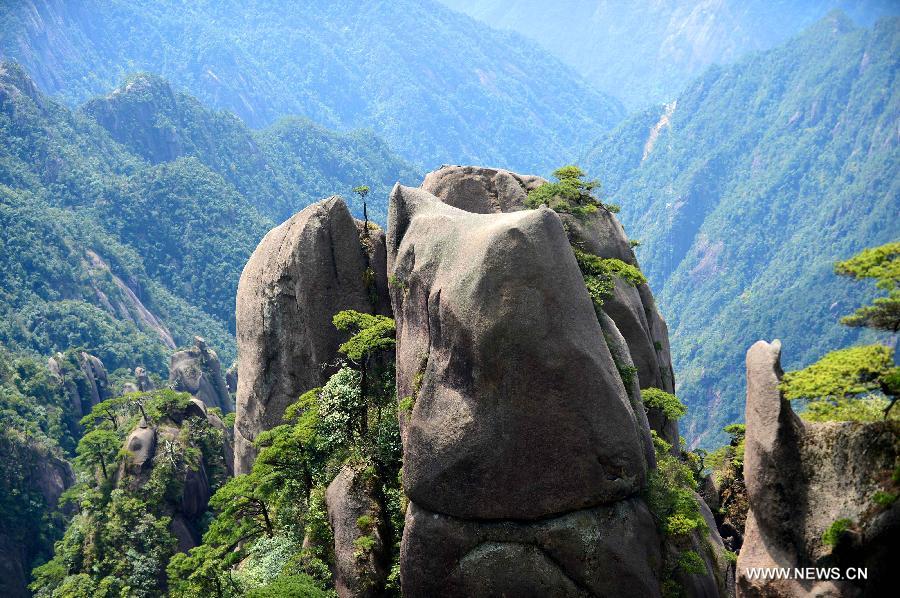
(745, 190)
(647, 52)
(126, 223)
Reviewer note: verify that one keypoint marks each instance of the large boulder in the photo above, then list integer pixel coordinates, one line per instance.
(304, 271)
(489, 190)
(197, 371)
(481, 190)
(518, 409)
(361, 541)
(801, 478)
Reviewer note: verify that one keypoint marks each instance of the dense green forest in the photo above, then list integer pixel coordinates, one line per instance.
(129, 220)
(746, 189)
(437, 85)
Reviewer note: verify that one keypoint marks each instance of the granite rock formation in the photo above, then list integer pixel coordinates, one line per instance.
(801, 478)
(524, 454)
(197, 371)
(361, 549)
(304, 271)
(633, 309)
(494, 307)
(82, 377)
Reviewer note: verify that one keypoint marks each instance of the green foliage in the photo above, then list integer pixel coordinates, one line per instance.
(834, 532)
(670, 493)
(879, 263)
(599, 275)
(691, 563)
(273, 519)
(668, 403)
(371, 334)
(884, 499)
(119, 541)
(289, 586)
(731, 557)
(571, 193)
(747, 195)
(882, 264)
(363, 546)
(840, 374)
(848, 384)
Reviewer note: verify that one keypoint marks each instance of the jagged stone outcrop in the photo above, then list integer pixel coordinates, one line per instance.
(82, 377)
(142, 380)
(361, 542)
(522, 438)
(801, 477)
(302, 273)
(141, 447)
(197, 371)
(162, 442)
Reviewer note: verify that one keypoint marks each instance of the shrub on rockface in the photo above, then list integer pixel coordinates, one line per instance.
(571, 193)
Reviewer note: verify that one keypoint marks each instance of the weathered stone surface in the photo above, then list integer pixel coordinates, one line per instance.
(197, 371)
(604, 551)
(97, 382)
(141, 444)
(231, 375)
(803, 476)
(355, 512)
(488, 190)
(83, 379)
(142, 380)
(618, 348)
(480, 190)
(520, 411)
(302, 273)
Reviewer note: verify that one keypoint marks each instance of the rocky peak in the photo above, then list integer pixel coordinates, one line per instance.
(304, 271)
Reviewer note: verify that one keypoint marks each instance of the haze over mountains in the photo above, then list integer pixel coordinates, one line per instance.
(437, 85)
(646, 52)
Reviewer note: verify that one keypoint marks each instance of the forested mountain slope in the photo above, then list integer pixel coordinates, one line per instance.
(748, 188)
(647, 52)
(125, 224)
(437, 85)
